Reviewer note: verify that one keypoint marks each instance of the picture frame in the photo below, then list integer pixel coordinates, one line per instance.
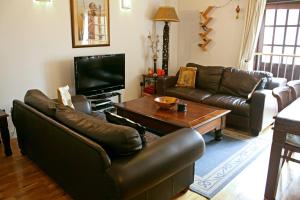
(90, 23)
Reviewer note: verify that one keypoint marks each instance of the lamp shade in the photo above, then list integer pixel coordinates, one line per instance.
(167, 14)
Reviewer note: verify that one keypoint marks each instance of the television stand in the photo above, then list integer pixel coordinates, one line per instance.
(100, 102)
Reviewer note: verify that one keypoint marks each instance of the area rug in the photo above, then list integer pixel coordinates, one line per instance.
(224, 160)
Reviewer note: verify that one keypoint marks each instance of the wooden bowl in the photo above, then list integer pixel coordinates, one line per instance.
(166, 102)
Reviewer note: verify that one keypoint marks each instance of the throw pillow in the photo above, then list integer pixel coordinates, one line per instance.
(116, 140)
(64, 96)
(116, 119)
(187, 77)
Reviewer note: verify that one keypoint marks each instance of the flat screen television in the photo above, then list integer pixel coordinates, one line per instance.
(99, 74)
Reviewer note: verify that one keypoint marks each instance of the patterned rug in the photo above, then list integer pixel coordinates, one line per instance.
(224, 160)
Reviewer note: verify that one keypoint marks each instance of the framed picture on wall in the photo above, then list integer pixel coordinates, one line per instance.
(90, 23)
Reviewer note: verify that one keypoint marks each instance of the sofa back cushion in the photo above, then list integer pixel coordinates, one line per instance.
(41, 102)
(117, 140)
(208, 77)
(242, 83)
(266, 78)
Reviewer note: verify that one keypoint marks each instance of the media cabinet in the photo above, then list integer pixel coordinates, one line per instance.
(101, 102)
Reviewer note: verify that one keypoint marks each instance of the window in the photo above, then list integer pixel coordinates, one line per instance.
(279, 40)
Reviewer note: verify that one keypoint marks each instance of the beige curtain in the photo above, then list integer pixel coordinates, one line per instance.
(253, 19)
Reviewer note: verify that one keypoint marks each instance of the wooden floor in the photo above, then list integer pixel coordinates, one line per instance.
(22, 179)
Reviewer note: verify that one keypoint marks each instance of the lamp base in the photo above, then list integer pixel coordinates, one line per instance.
(165, 52)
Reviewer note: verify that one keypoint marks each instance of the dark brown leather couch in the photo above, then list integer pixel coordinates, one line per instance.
(86, 171)
(230, 88)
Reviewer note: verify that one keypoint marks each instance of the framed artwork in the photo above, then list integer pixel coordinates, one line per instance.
(90, 23)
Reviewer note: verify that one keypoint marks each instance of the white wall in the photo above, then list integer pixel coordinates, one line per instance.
(36, 49)
(226, 35)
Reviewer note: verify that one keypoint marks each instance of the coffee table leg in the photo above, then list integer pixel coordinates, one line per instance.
(5, 136)
(218, 135)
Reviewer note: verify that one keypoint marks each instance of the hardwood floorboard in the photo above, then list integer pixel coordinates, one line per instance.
(21, 179)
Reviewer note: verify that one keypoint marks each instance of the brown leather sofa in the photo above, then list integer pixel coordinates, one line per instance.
(83, 167)
(230, 88)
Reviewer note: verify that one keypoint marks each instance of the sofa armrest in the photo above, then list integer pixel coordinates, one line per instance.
(263, 107)
(158, 161)
(165, 82)
(277, 82)
(82, 104)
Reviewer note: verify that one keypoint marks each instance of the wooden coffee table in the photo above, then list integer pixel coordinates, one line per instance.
(199, 116)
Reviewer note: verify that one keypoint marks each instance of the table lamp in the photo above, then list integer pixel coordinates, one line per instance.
(166, 14)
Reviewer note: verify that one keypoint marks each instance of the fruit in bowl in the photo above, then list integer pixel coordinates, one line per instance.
(166, 102)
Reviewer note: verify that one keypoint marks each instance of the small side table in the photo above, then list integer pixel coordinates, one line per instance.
(5, 133)
(148, 84)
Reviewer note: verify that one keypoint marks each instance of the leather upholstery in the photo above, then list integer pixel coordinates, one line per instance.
(239, 83)
(115, 139)
(237, 105)
(119, 120)
(82, 104)
(164, 83)
(252, 110)
(84, 169)
(40, 101)
(263, 107)
(130, 173)
(188, 93)
(208, 77)
(295, 89)
(277, 82)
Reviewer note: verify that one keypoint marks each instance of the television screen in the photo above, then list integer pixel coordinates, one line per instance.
(99, 74)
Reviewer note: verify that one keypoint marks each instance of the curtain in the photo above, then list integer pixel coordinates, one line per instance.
(253, 18)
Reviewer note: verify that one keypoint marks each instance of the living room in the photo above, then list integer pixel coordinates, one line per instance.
(38, 53)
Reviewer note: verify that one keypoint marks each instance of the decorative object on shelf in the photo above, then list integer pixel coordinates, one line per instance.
(166, 102)
(154, 40)
(90, 23)
(160, 72)
(166, 14)
(204, 20)
(237, 10)
(150, 72)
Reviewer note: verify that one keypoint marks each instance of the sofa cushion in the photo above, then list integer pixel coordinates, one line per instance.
(115, 139)
(237, 105)
(188, 93)
(239, 83)
(208, 77)
(41, 102)
(266, 78)
(119, 120)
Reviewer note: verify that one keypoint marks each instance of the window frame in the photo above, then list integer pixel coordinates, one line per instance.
(276, 6)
